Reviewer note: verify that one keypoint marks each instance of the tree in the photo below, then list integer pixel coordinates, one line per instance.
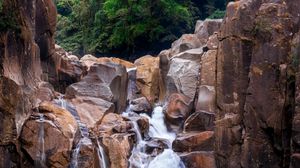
(127, 26)
(104, 26)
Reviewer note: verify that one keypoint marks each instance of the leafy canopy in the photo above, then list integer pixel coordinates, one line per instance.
(125, 26)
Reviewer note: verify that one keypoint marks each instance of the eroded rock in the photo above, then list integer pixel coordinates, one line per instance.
(195, 141)
(147, 77)
(179, 108)
(53, 130)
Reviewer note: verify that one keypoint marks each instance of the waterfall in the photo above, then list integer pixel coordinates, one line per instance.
(82, 128)
(84, 137)
(168, 158)
(101, 156)
(41, 156)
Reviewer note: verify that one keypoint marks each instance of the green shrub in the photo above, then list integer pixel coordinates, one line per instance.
(217, 14)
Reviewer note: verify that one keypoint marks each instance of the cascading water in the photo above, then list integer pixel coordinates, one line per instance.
(84, 137)
(82, 128)
(101, 156)
(41, 142)
(168, 158)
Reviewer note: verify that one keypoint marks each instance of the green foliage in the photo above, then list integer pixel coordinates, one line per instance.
(102, 26)
(217, 14)
(105, 26)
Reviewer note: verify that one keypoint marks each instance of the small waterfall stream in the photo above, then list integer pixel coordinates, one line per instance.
(101, 155)
(41, 142)
(84, 137)
(168, 158)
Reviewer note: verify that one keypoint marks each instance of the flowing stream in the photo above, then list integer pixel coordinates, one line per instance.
(158, 130)
(84, 140)
(41, 142)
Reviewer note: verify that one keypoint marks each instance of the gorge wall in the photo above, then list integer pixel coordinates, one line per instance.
(231, 92)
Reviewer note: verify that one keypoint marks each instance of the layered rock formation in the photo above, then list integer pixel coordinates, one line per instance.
(256, 84)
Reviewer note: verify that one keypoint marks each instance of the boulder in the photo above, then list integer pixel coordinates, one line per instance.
(213, 42)
(141, 105)
(112, 123)
(204, 29)
(179, 108)
(147, 77)
(156, 146)
(104, 81)
(62, 69)
(199, 159)
(164, 65)
(143, 123)
(133, 91)
(104, 60)
(89, 60)
(86, 156)
(91, 110)
(195, 141)
(199, 121)
(50, 133)
(45, 92)
(119, 149)
(183, 73)
(184, 43)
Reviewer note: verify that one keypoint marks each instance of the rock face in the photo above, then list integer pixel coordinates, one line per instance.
(255, 84)
(141, 105)
(183, 73)
(199, 160)
(116, 139)
(202, 141)
(104, 81)
(22, 47)
(179, 108)
(63, 69)
(50, 133)
(147, 77)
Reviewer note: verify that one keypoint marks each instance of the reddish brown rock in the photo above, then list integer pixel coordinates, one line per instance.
(21, 48)
(195, 141)
(199, 121)
(179, 108)
(54, 130)
(112, 123)
(45, 92)
(104, 81)
(141, 105)
(89, 60)
(204, 29)
(184, 43)
(253, 75)
(66, 71)
(155, 147)
(147, 77)
(199, 160)
(92, 110)
(105, 60)
(119, 148)
(87, 155)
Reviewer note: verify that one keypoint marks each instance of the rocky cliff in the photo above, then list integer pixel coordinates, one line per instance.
(230, 93)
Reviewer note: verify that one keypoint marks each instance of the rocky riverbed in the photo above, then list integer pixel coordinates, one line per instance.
(226, 95)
